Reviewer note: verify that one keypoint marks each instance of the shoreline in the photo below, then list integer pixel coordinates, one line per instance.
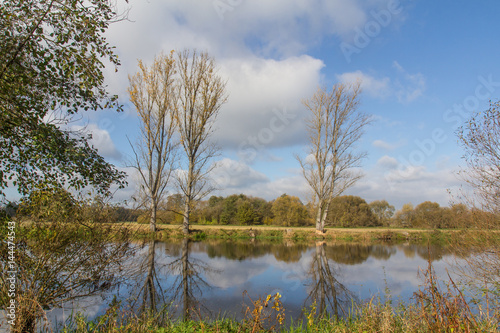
(332, 234)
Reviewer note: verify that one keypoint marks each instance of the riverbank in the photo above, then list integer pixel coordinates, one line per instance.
(201, 232)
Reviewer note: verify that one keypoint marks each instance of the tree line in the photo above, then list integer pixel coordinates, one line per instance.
(346, 211)
(239, 209)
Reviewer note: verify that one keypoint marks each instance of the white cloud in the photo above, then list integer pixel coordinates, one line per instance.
(404, 86)
(387, 162)
(397, 183)
(375, 87)
(411, 86)
(233, 177)
(264, 105)
(101, 140)
(387, 145)
(268, 29)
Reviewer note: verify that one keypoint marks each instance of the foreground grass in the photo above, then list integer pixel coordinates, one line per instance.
(370, 318)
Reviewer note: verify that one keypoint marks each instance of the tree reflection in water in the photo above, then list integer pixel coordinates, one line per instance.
(188, 286)
(182, 292)
(184, 277)
(326, 291)
(149, 295)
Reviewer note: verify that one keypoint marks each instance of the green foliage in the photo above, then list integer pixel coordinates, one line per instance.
(50, 204)
(351, 211)
(162, 217)
(429, 215)
(289, 211)
(246, 214)
(50, 68)
(383, 211)
(234, 209)
(404, 217)
(59, 262)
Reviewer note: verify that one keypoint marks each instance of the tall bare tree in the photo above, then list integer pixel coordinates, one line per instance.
(201, 93)
(480, 137)
(152, 91)
(334, 127)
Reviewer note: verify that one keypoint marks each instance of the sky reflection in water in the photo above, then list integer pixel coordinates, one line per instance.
(209, 278)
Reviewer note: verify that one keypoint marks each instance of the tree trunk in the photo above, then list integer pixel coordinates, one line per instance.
(185, 223)
(324, 216)
(321, 215)
(152, 220)
(318, 217)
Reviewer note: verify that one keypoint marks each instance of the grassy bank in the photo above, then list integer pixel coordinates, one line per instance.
(434, 311)
(363, 235)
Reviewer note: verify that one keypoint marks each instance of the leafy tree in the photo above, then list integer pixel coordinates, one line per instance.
(351, 211)
(383, 211)
(405, 216)
(245, 213)
(289, 211)
(213, 210)
(67, 257)
(51, 63)
(480, 138)
(461, 216)
(262, 209)
(49, 204)
(175, 202)
(430, 215)
(229, 209)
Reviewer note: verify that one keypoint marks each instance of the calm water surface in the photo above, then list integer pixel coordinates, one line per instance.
(209, 278)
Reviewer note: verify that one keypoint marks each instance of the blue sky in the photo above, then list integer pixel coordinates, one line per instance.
(425, 67)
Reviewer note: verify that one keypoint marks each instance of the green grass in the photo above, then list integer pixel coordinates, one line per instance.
(369, 318)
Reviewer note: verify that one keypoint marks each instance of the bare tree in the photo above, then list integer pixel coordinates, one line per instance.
(480, 137)
(152, 91)
(334, 127)
(201, 93)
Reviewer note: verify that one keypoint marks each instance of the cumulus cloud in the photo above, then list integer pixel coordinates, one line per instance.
(268, 29)
(264, 107)
(233, 177)
(398, 183)
(101, 140)
(387, 162)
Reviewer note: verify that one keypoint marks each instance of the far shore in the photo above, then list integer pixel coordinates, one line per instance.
(309, 233)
